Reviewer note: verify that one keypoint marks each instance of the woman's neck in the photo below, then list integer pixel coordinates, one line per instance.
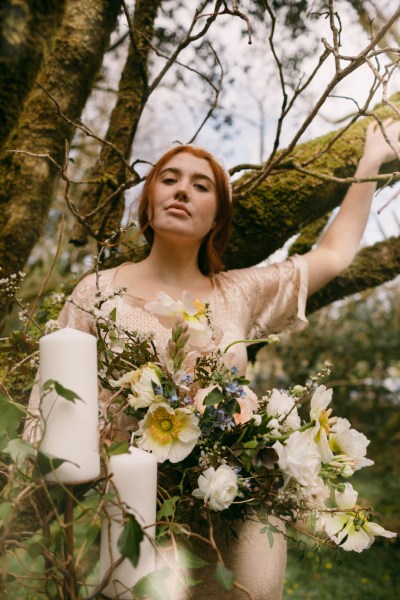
(169, 269)
(173, 265)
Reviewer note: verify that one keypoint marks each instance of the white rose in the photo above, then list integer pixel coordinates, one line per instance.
(218, 487)
(299, 458)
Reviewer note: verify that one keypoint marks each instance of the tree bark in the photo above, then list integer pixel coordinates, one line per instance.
(68, 73)
(109, 170)
(26, 33)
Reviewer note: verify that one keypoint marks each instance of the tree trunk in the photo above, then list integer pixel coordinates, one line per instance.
(26, 34)
(68, 73)
(109, 170)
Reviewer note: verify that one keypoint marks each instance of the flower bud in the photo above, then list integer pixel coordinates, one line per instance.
(298, 391)
(346, 471)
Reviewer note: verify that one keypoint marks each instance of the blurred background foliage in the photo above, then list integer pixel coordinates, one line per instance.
(361, 339)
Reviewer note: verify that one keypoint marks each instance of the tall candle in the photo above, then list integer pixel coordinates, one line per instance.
(70, 429)
(134, 476)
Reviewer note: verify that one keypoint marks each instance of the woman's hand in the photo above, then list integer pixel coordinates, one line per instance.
(377, 149)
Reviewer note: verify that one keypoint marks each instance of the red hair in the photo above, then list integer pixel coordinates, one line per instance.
(216, 241)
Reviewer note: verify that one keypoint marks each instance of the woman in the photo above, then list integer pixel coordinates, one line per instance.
(185, 213)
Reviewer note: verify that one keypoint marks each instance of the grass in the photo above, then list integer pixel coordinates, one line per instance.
(372, 575)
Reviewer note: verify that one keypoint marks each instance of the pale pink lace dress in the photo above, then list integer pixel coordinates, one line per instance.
(245, 304)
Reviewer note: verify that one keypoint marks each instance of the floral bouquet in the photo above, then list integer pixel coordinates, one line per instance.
(222, 449)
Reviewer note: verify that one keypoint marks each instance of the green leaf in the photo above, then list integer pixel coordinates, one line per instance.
(47, 463)
(61, 390)
(153, 586)
(190, 582)
(35, 549)
(117, 448)
(129, 540)
(242, 380)
(188, 560)
(168, 508)
(11, 415)
(251, 444)
(113, 314)
(91, 536)
(5, 511)
(19, 450)
(214, 397)
(224, 576)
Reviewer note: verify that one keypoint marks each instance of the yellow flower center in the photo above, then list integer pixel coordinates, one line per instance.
(324, 421)
(200, 307)
(166, 425)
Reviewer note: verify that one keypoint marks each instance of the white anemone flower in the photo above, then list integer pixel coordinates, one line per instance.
(351, 529)
(299, 458)
(169, 434)
(343, 440)
(141, 381)
(319, 414)
(283, 407)
(192, 311)
(218, 488)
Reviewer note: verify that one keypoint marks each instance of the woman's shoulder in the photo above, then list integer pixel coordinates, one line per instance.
(260, 271)
(262, 280)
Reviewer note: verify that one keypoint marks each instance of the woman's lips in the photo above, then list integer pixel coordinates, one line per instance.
(180, 207)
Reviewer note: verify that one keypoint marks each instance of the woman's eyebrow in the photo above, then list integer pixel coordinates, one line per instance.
(196, 175)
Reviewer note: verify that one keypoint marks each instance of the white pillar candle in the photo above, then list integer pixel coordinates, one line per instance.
(70, 429)
(134, 476)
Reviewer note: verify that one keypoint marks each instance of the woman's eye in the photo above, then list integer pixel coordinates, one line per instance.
(169, 180)
(201, 187)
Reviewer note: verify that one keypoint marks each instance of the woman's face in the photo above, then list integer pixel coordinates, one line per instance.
(184, 198)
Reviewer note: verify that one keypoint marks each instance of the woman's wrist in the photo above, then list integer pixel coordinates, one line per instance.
(368, 166)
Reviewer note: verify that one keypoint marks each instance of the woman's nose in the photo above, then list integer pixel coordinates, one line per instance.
(182, 194)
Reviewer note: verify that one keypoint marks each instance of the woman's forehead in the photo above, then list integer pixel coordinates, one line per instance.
(190, 164)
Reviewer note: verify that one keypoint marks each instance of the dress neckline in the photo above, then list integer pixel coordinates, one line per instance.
(207, 298)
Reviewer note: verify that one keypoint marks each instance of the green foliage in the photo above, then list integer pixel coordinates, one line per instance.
(224, 576)
(11, 415)
(153, 586)
(318, 577)
(129, 540)
(361, 340)
(60, 390)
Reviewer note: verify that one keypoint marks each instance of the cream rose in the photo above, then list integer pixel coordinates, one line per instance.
(218, 487)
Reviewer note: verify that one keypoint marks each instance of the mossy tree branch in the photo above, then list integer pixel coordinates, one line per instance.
(372, 266)
(290, 200)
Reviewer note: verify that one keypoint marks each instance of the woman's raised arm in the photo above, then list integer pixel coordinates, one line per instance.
(340, 241)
